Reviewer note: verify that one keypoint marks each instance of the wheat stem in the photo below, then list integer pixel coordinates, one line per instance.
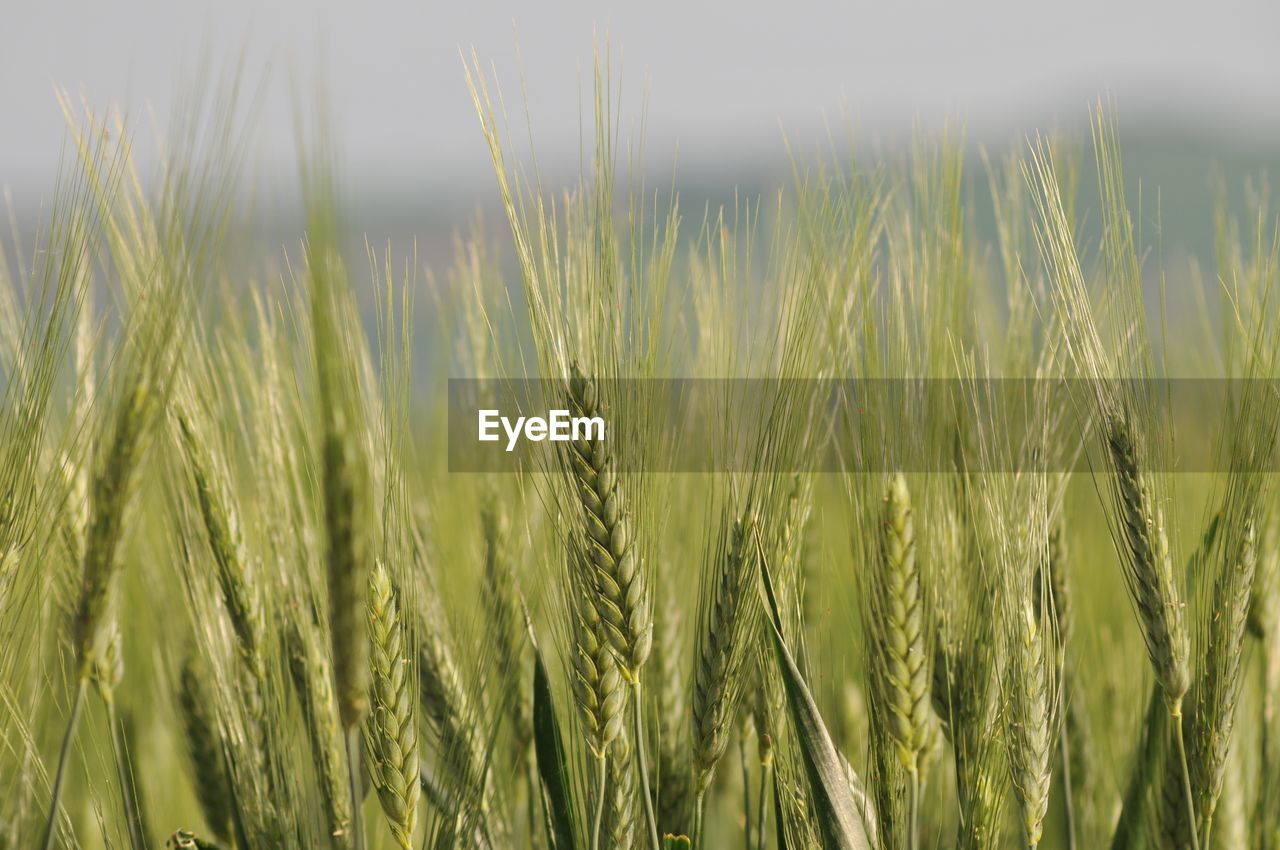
(533, 789)
(1069, 816)
(132, 817)
(60, 775)
(746, 791)
(913, 808)
(762, 810)
(699, 805)
(353, 778)
(1176, 716)
(643, 767)
(597, 817)
(1264, 818)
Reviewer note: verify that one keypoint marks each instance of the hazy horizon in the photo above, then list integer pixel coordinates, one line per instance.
(717, 86)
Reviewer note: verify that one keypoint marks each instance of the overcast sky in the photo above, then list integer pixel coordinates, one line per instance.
(721, 78)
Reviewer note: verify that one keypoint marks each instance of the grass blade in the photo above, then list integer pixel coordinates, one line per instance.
(837, 811)
(552, 768)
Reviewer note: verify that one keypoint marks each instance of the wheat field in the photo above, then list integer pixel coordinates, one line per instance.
(247, 601)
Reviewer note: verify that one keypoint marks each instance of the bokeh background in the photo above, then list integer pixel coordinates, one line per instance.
(722, 90)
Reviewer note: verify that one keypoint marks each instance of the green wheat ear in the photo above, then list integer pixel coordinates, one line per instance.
(901, 655)
(597, 686)
(312, 680)
(1150, 566)
(207, 752)
(728, 622)
(391, 730)
(502, 600)
(610, 545)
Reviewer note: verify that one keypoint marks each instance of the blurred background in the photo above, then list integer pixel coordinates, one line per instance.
(722, 90)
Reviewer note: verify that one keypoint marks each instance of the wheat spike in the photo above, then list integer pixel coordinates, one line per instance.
(346, 623)
(454, 719)
(1218, 689)
(313, 684)
(672, 775)
(204, 746)
(966, 695)
(620, 807)
(108, 668)
(598, 688)
(900, 657)
(502, 602)
(1029, 724)
(623, 599)
(729, 617)
(391, 730)
(112, 486)
(222, 529)
(1149, 567)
